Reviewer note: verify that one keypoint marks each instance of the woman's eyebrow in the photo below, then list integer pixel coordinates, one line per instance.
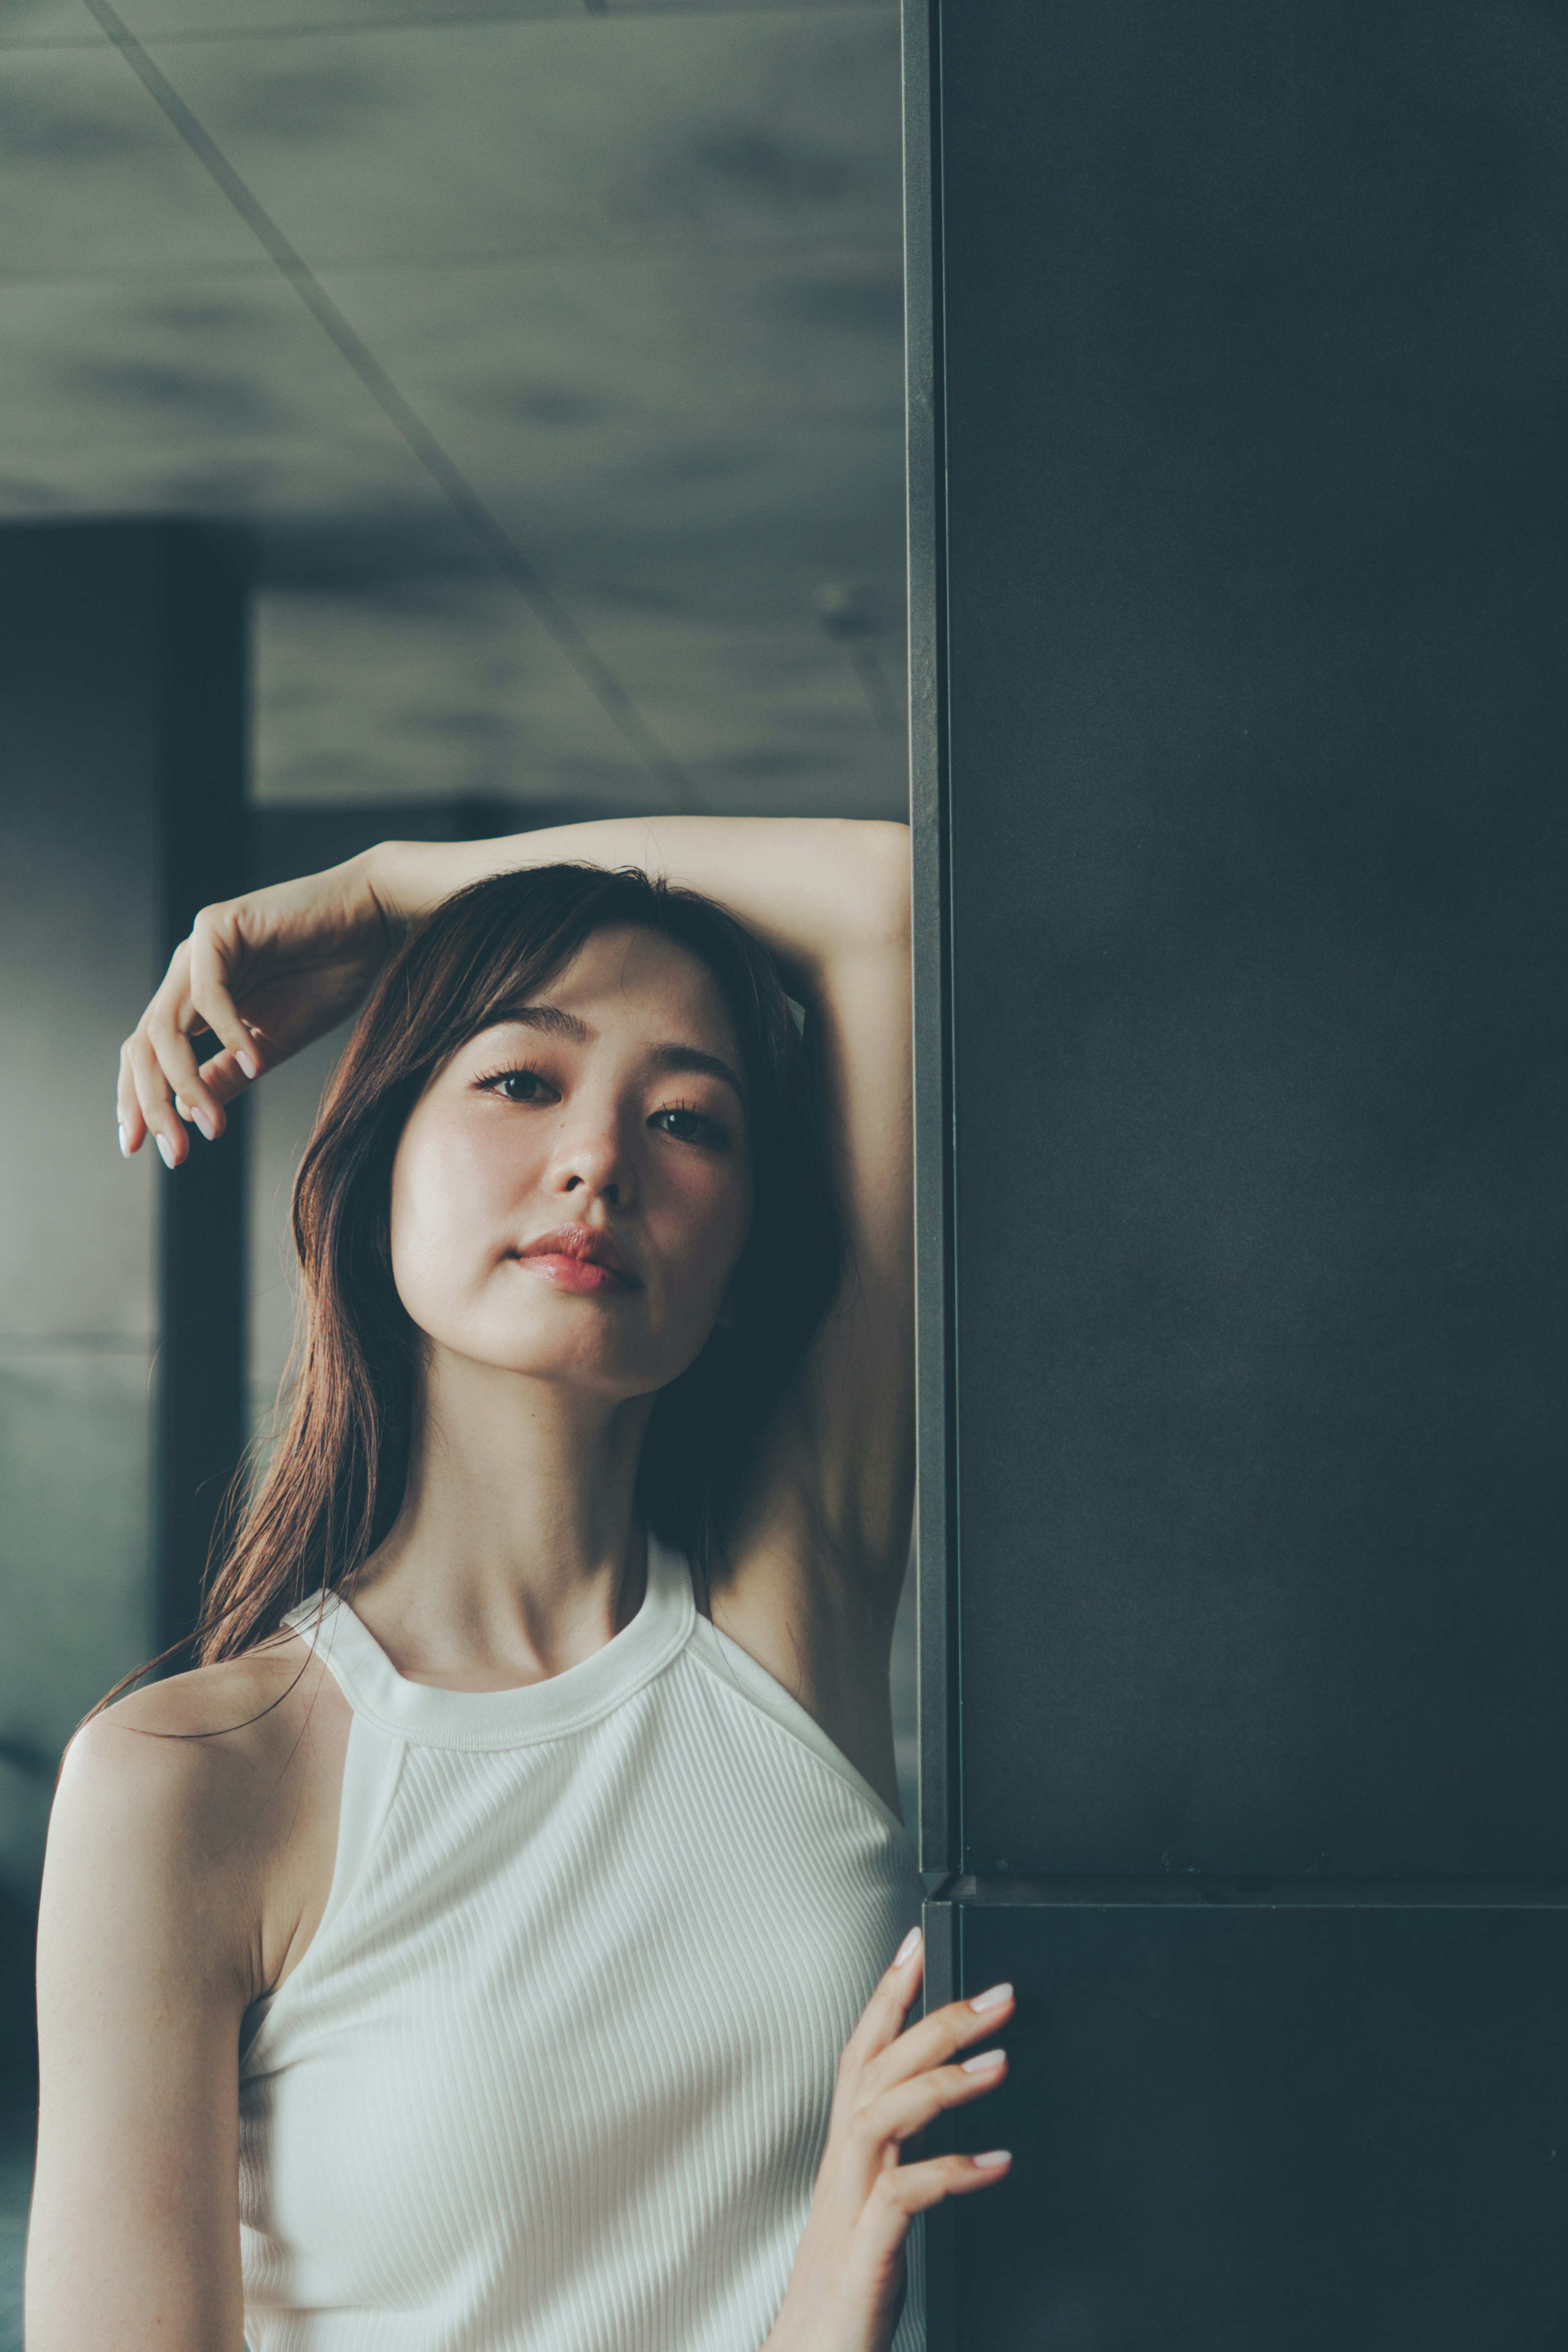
(554, 1021)
(550, 1020)
(692, 1057)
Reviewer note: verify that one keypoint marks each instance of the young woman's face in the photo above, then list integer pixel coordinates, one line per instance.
(572, 1192)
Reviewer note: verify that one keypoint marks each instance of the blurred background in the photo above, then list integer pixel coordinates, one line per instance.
(418, 420)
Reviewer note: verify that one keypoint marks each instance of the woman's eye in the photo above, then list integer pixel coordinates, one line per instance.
(689, 1126)
(519, 1086)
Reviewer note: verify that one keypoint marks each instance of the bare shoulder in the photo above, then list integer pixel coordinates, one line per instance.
(205, 1793)
(194, 1742)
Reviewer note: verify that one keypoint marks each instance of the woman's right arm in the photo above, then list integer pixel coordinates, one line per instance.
(143, 1977)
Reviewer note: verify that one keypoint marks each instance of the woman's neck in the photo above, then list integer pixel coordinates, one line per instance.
(517, 1552)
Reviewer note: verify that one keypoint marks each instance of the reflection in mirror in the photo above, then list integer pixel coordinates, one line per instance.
(479, 430)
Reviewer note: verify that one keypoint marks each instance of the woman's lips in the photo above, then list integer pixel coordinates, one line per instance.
(579, 1273)
(573, 1258)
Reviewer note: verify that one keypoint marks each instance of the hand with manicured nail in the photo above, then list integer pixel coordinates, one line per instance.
(845, 2289)
(262, 974)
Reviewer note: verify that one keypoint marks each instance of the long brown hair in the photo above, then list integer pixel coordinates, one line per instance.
(335, 1482)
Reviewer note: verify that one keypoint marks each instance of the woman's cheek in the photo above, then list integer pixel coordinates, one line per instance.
(425, 1273)
(446, 1202)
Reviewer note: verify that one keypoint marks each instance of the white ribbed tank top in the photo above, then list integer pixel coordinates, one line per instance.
(554, 2072)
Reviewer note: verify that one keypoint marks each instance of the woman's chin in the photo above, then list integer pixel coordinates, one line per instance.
(604, 1373)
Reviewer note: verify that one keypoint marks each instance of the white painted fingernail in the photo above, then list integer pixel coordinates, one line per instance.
(986, 2058)
(206, 1124)
(993, 1997)
(993, 2159)
(908, 1948)
(166, 1151)
(124, 1147)
(249, 1064)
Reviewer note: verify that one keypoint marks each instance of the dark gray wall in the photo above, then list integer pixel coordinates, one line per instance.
(1244, 521)
(1254, 2123)
(1257, 375)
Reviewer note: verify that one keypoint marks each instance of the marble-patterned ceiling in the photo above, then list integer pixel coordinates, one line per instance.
(625, 276)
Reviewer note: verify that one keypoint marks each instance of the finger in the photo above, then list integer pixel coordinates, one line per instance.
(885, 2012)
(906, 2190)
(223, 1079)
(952, 2027)
(897, 2196)
(210, 998)
(899, 2114)
(156, 1103)
(177, 1059)
(127, 1109)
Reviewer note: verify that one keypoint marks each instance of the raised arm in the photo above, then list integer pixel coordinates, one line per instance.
(266, 971)
(812, 889)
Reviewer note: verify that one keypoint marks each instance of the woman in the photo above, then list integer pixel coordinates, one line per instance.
(529, 1827)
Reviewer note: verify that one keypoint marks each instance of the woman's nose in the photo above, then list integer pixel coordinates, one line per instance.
(592, 1160)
